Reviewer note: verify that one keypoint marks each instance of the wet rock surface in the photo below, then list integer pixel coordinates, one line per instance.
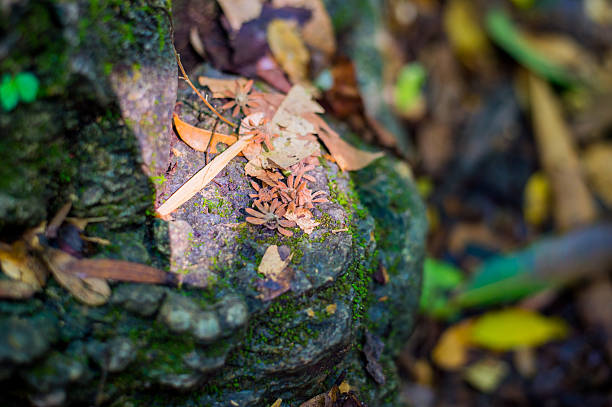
(160, 346)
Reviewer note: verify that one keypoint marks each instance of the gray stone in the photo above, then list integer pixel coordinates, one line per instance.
(57, 371)
(138, 298)
(114, 355)
(233, 313)
(206, 326)
(178, 313)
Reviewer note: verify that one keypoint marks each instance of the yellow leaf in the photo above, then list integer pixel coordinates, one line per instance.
(331, 309)
(277, 403)
(451, 350)
(537, 197)
(20, 265)
(515, 327)
(465, 34)
(220, 88)
(288, 49)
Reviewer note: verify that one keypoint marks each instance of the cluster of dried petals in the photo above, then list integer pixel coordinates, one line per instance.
(271, 216)
(263, 194)
(302, 217)
(261, 130)
(241, 98)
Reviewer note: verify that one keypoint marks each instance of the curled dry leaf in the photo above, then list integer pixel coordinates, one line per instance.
(90, 291)
(288, 49)
(194, 137)
(21, 265)
(347, 157)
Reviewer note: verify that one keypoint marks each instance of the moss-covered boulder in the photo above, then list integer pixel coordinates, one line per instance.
(107, 109)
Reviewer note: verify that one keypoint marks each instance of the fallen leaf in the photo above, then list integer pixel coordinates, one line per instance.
(466, 36)
(238, 12)
(274, 268)
(597, 161)
(21, 265)
(344, 387)
(119, 270)
(318, 31)
(90, 291)
(573, 203)
(202, 177)
(439, 278)
(487, 374)
(537, 199)
(268, 70)
(310, 313)
(331, 309)
(16, 290)
(221, 87)
(513, 328)
(289, 150)
(277, 403)
(288, 49)
(348, 157)
(272, 265)
(194, 137)
(303, 218)
(451, 351)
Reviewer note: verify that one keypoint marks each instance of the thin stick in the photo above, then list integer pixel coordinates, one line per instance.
(178, 61)
(202, 177)
(206, 102)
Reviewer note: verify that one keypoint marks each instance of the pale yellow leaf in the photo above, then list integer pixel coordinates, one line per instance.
(272, 265)
(239, 12)
(277, 403)
(202, 177)
(310, 312)
(289, 150)
(487, 374)
(288, 49)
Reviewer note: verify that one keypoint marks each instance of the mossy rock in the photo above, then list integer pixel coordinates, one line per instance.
(161, 346)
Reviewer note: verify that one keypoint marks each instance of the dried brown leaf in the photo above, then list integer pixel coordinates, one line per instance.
(220, 88)
(272, 265)
(202, 177)
(574, 204)
(288, 49)
(194, 137)
(348, 157)
(90, 291)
